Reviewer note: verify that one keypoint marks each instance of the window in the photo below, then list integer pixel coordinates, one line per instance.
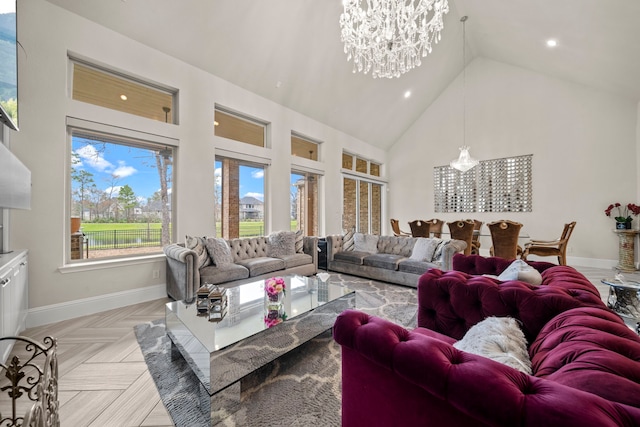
(239, 198)
(121, 194)
(304, 202)
(107, 89)
(362, 195)
(304, 147)
(234, 126)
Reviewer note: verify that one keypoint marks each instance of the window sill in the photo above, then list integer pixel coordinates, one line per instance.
(110, 263)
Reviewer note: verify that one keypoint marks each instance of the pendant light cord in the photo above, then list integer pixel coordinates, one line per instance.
(464, 81)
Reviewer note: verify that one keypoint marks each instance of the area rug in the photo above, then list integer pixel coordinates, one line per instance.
(301, 388)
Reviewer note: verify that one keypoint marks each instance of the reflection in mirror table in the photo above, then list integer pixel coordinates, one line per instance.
(223, 352)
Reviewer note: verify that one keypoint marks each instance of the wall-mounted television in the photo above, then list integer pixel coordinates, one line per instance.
(8, 64)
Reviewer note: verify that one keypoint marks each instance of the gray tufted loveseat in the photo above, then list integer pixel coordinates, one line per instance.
(392, 261)
(250, 263)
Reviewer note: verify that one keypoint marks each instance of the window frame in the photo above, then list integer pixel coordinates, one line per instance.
(128, 137)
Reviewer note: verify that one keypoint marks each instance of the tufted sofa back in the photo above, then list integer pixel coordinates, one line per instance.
(476, 264)
(248, 247)
(396, 245)
(452, 302)
(590, 349)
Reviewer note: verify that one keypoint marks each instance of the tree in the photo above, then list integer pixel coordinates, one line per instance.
(84, 180)
(128, 200)
(163, 161)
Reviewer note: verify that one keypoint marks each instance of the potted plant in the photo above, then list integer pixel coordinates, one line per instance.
(622, 214)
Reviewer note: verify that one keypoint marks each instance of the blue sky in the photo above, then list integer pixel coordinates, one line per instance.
(132, 166)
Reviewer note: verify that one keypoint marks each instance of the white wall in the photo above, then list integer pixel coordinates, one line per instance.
(47, 33)
(584, 145)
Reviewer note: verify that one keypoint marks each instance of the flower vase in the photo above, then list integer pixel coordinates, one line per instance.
(623, 225)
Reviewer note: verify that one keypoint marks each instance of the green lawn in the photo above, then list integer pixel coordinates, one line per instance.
(247, 228)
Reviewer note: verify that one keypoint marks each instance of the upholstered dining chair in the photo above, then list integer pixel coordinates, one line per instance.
(475, 243)
(557, 248)
(462, 230)
(436, 227)
(419, 228)
(504, 238)
(395, 226)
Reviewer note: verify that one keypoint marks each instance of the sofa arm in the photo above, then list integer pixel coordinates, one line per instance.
(451, 302)
(449, 250)
(310, 247)
(334, 245)
(392, 376)
(183, 277)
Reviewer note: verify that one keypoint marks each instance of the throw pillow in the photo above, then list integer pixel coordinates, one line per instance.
(197, 245)
(219, 251)
(299, 242)
(520, 270)
(365, 243)
(423, 249)
(347, 240)
(437, 253)
(281, 243)
(499, 339)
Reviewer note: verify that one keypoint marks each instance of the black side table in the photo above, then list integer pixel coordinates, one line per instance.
(322, 253)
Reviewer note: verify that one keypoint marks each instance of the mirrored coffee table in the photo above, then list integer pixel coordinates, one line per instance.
(222, 353)
(624, 299)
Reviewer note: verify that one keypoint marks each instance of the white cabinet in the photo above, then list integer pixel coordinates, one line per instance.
(14, 297)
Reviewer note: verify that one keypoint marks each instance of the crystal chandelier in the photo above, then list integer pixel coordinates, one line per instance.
(464, 162)
(389, 37)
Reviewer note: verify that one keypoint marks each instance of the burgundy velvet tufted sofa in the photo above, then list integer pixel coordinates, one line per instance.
(585, 360)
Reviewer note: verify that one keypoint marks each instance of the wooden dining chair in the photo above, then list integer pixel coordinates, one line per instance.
(475, 243)
(462, 230)
(420, 228)
(504, 238)
(395, 226)
(436, 227)
(557, 248)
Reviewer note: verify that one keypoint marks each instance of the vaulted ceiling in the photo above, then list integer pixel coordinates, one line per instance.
(289, 51)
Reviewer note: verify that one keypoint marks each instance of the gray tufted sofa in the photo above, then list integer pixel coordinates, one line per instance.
(391, 263)
(250, 263)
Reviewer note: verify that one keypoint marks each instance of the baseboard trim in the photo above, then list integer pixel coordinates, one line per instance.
(69, 310)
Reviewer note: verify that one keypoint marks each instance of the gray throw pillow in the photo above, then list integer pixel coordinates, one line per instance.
(347, 240)
(219, 251)
(281, 243)
(365, 243)
(424, 249)
(197, 244)
(520, 270)
(299, 242)
(499, 339)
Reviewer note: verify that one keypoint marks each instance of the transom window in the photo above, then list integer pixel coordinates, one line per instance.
(358, 164)
(239, 128)
(98, 86)
(304, 147)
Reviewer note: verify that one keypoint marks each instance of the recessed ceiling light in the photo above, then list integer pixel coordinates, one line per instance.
(123, 97)
(407, 94)
(552, 43)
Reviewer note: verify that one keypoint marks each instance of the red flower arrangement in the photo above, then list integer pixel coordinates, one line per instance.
(623, 213)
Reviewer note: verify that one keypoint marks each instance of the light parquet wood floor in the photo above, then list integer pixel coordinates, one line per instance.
(103, 379)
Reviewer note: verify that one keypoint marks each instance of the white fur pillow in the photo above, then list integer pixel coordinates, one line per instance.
(499, 339)
(520, 270)
(424, 249)
(281, 243)
(365, 243)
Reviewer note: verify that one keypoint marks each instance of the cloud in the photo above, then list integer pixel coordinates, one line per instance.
(114, 191)
(258, 196)
(123, 171)
(92, 157)
(217, 174)
(258, 174)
